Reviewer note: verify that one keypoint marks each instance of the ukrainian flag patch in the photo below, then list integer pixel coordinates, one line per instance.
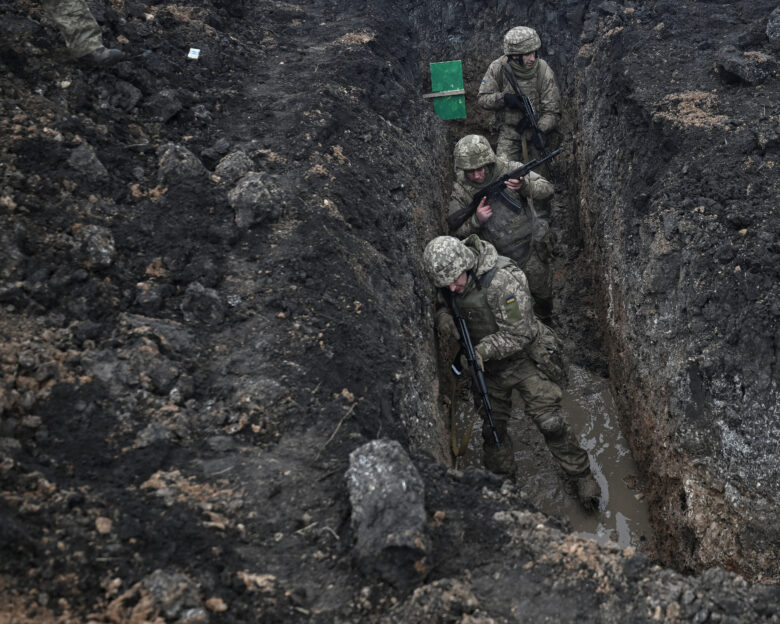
(512, 310)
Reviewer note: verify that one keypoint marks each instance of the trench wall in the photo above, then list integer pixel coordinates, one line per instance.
(690, 340)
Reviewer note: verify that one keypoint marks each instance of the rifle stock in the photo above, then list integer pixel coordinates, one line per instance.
(459, 217)
(471, 356)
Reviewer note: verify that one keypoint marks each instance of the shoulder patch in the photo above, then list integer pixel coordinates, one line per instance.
(512, 310)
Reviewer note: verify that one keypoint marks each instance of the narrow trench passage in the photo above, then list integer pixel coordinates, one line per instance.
(588, 405)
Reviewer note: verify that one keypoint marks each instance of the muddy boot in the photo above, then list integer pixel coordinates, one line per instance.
(589, 493)
(501, 459)
(102, 57)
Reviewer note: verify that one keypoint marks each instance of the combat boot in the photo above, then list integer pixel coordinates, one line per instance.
(102, 57)
(589, 493)
(500, 459)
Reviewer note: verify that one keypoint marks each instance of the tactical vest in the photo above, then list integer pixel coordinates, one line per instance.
(475, 308)
(531, 88)
(511, 228)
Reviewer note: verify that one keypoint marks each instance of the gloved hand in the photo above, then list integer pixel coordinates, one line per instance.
(511, 101)
(446, 328)
(540, 141)
(464, 362)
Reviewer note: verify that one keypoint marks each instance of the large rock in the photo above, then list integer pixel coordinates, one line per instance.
(178, 164)
(253, 200)
(84, 159)
(233, 166)
(751, 68)
(98, 245)
(388, 513)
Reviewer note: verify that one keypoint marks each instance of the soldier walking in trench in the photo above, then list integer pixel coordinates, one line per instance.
(81, 32)
(514, 349)
(536, 80)
(509, 222)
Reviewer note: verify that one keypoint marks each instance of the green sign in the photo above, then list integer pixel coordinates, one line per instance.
(449, 98)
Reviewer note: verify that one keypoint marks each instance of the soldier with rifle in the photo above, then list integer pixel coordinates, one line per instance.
(501, 337)
(494, 197)
(522, 90)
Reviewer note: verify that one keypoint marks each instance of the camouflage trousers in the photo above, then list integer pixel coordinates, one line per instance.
(542, 398)
(77, 25)
(538, 272)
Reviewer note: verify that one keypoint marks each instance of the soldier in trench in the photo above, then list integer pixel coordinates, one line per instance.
(516, 230)
(536, 80)
(81, 32)
(514, 349)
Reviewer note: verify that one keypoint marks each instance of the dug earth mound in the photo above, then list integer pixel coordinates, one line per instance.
(220, 395)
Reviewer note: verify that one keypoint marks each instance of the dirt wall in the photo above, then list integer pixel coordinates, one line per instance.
(678, 207)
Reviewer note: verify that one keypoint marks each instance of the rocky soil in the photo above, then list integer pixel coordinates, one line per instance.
(219, 398)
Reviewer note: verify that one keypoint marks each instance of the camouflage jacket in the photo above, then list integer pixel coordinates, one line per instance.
(535, 187)
(499, 315)
(541, 89)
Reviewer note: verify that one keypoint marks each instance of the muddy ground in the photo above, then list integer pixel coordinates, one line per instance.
(212, 301)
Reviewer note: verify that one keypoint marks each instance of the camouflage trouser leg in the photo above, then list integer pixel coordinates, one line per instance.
(542, 399)
(79, 29)
(539, 276)
(510, 146)
(498, 460)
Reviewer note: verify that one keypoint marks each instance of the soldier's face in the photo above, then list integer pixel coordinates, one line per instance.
(477, 176)
(529, 59)
(459, 285)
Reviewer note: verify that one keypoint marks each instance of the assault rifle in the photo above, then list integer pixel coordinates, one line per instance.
(529, 115)
(477, 375)
(459, 217)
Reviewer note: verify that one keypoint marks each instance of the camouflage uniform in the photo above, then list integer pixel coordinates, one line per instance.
(538, 83)
(525, 237)
(497, 305)
(79, 29)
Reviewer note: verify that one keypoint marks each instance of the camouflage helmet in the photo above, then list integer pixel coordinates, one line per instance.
(521, 40)
(445, 258)
(472, 152)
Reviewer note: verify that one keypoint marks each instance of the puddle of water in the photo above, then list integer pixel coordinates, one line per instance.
(588, 406)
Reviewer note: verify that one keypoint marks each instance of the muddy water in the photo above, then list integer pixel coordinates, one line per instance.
(588, 406)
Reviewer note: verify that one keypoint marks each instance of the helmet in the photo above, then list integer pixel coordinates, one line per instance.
(472, 152)
(445, 258)
(521, 40)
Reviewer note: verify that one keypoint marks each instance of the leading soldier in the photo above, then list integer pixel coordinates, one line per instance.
(537, 81)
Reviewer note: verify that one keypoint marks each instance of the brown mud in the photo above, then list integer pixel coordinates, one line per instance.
(211, 296)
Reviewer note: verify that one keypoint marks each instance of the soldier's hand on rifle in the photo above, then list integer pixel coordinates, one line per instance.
(515, 184)
(512, 101)
(464, 362)
(484, 211)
